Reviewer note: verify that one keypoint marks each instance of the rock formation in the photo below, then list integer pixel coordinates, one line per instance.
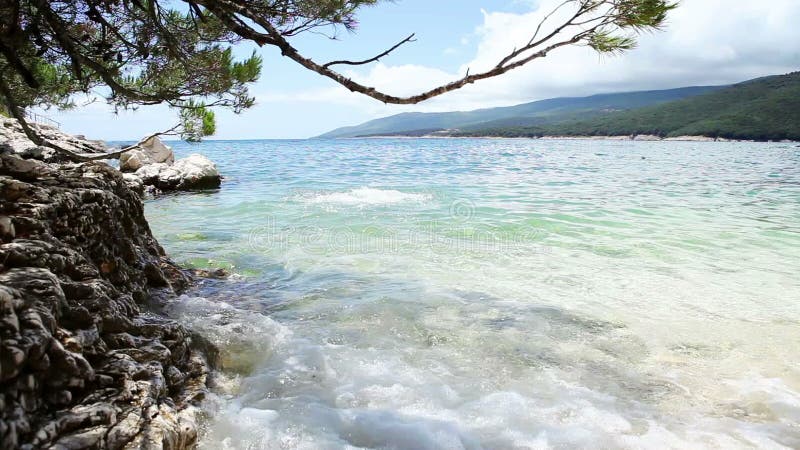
(84, 362)
(150, 167)
(154, 164)
(14, 141)
(193, 172)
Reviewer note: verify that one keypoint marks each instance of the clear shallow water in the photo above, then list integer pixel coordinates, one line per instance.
(497, 294)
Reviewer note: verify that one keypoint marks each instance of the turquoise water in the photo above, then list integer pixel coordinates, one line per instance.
(497, 294)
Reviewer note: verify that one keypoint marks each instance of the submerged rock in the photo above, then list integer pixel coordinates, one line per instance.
(83, 364)
(217, 273)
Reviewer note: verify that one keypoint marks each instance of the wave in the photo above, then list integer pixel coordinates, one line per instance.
(365, 196)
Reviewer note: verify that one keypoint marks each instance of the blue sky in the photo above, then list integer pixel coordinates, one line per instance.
(700, 46)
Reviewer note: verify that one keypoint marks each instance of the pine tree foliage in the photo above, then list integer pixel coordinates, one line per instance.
(180, 52)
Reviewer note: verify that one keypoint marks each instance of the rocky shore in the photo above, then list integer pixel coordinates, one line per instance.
(85, 359)
(14, 141)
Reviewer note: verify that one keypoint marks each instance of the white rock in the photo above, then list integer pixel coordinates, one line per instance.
(150, 172)
(193, 172)
(169, 177)
(158, 151)
(151, 151)
(197, 170)
(133, 182)
(132, 160)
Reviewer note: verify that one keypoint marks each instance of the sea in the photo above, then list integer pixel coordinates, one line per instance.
(495, 293)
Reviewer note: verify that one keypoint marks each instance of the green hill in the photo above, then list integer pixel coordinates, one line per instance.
(761, 109)
(536, 113)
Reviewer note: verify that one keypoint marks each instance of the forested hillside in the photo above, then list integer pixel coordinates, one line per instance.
(527, 114)
(761, 109)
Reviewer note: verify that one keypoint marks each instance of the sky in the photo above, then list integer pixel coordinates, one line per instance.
(705, 42)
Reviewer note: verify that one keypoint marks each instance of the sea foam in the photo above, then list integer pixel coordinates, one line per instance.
(364, 196)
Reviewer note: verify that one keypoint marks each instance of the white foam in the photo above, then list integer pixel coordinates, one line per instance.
(245, 339)
(368, 196)
(306, 394)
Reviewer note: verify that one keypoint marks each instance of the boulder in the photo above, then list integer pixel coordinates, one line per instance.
(193, 172)
(151, 151)
(197, 172)
(150, 173)
(132, 160)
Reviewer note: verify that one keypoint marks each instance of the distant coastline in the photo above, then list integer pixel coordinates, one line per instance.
(637, 138)
(760, 110)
